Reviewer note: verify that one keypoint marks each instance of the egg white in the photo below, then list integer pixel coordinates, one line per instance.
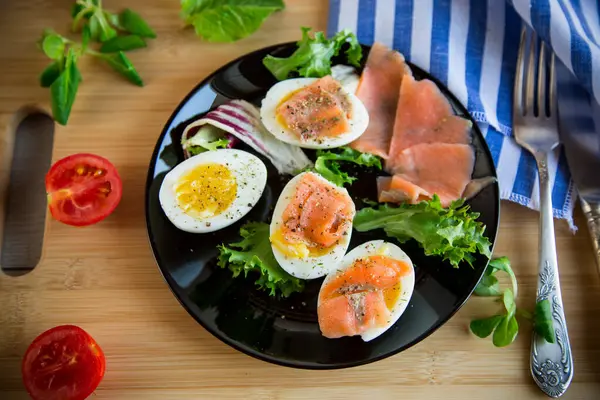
(268, 114)
(251, 177)
(373, 248)
(313, 266)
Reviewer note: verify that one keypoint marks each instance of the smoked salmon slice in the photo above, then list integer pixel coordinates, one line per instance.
(321, 109)
(317, 215)
(378, 89)
(360, 297)
(430, 168)
(424, 115)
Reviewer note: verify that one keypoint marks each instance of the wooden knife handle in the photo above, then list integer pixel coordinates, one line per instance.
(592, 216)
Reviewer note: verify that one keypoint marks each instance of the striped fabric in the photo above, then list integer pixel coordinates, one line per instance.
(472, 46)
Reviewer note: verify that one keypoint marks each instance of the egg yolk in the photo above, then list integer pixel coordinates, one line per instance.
(206, 190)
(390, 295)
(295, 249)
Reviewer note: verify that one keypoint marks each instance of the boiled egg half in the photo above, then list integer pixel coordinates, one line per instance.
(367, 293)
(212, 190)
(314, 113)
(311, 226)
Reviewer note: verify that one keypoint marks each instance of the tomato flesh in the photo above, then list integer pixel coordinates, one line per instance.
(63, 363)
(83, 189)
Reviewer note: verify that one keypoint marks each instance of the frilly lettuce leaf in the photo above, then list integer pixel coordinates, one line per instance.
(312, 59)
(452, 233)
(208, 138)
(327, 164)
(253, 255)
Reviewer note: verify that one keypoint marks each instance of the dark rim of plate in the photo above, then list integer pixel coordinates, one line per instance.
(249, 351)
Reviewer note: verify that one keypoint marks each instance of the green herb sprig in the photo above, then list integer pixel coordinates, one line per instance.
(504, 325)
(117, 33)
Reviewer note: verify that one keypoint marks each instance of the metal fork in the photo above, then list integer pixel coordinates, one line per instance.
(536, 129)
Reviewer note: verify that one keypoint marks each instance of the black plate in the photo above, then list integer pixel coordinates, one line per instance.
(285, 331)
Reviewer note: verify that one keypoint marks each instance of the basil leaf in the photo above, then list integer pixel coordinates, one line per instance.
(64, 89)
(488, 286)
(229, 20)
(134, 23)
(53, 46)
(542, 321)
(122, 43)
(485, 326)
(506, 331)
(120, 63)
(50, 74)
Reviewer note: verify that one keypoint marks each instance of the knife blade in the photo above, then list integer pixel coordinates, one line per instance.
(580, 136)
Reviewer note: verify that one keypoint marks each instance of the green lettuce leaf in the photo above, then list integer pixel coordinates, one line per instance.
(313, 56)
(452, 233)
(327, 164)
(253, 254)
(227, 20)
(208, 138)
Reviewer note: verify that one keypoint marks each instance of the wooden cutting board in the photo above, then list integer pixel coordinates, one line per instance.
(104, 279)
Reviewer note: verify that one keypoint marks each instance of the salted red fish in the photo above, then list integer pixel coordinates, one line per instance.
(378, 90)
(424, 115)
(321, 109)
(317, 215)
(360, 297)
(430, 168)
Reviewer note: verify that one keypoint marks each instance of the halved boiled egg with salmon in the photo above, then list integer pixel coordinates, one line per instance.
(314, 113)
(212, 190)
(367, 293)
(311, 226)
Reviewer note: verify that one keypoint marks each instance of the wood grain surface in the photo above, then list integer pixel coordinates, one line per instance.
(104, 279)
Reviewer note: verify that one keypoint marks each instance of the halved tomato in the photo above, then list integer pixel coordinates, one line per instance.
(83, 189)
(63, 363)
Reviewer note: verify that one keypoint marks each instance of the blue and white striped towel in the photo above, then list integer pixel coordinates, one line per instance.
(472, 46)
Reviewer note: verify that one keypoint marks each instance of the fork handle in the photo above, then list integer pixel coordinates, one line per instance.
(592, 216)
(551, 363)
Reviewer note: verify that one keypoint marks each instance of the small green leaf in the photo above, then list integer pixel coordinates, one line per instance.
(114, 20)
(54, 46)
(503, 264)
(509, 302)
(122, 43)
(506, 331)
(85, 38)
(50, 74)
(134, 23)
(94, 28)
(76, 9)
(104, 30)
(64, 89)
(488, 286)
(542, 321)
(120, 63)
(485, 326)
